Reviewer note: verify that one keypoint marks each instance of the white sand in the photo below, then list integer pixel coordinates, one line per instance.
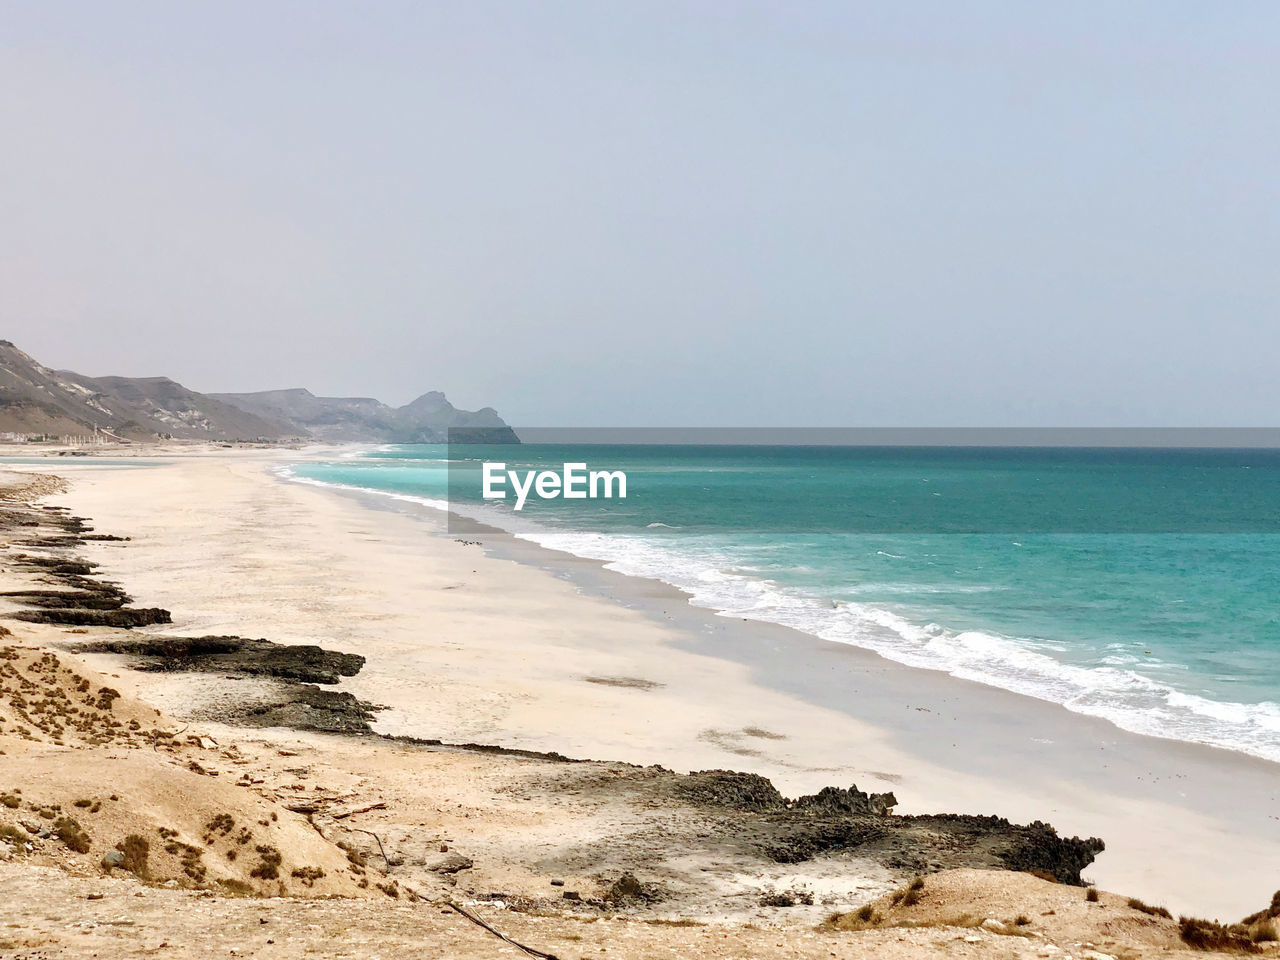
(464, 646)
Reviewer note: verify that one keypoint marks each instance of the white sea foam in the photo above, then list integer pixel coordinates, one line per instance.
(287, 473)
(1110, 689)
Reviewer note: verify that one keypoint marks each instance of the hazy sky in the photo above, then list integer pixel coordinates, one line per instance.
(608, 213)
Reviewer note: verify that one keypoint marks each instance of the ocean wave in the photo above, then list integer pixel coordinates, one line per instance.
(1110, 690)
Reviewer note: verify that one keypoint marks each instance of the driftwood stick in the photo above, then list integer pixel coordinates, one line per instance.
(531, 951)
(158, 733)
(385, 858)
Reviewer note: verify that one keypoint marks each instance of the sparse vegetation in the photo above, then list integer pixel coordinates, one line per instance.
(909, 895)
(268, 866)
(1091, 895)
(1136, 904)
(219, 826)
(136, 851)
(1212, 935)
(191, 858)
(223, 823)
(1271, 913)
(864, 918)
(1265, 932)
(72, 834)
(308, 875)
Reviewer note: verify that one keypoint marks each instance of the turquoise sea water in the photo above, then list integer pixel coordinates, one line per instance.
(1136, 585)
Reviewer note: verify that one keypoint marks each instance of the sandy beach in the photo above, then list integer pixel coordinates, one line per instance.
(508, 644)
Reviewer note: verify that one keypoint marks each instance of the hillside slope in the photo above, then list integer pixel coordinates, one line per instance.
(36, 399)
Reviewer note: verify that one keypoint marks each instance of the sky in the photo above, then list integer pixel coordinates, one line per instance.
(657, 213)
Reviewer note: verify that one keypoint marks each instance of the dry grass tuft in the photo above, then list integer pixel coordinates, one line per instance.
(72, 834)
(1228, 938)
(1148, 909)
(268, 867)
(909, 895)
(136, 851)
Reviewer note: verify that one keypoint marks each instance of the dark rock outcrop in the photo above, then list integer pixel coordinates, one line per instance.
(301, 706)
(1037, 848)
(728, 788)
(836, 800)
(306, 663)
(125, 618)
(66, 599)
(751, 814)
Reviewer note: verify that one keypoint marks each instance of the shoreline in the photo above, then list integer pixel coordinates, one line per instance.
(1040, 739)
(1159, 804)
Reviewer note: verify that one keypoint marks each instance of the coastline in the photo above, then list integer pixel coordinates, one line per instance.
(1160, 803)
(296, 563)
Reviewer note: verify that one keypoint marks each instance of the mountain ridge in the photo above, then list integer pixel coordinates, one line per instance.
(430, 418)
(38, 400)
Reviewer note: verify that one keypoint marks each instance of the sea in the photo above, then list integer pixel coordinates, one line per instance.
(1140, 585)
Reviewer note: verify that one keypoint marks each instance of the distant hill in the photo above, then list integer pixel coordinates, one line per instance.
(429, 419)
(37, 400)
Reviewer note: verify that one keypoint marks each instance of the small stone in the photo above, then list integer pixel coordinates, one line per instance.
(571, 895)
(449, 863)
(113, 858)
(557, 883)
(995, 926)
(972, 939)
